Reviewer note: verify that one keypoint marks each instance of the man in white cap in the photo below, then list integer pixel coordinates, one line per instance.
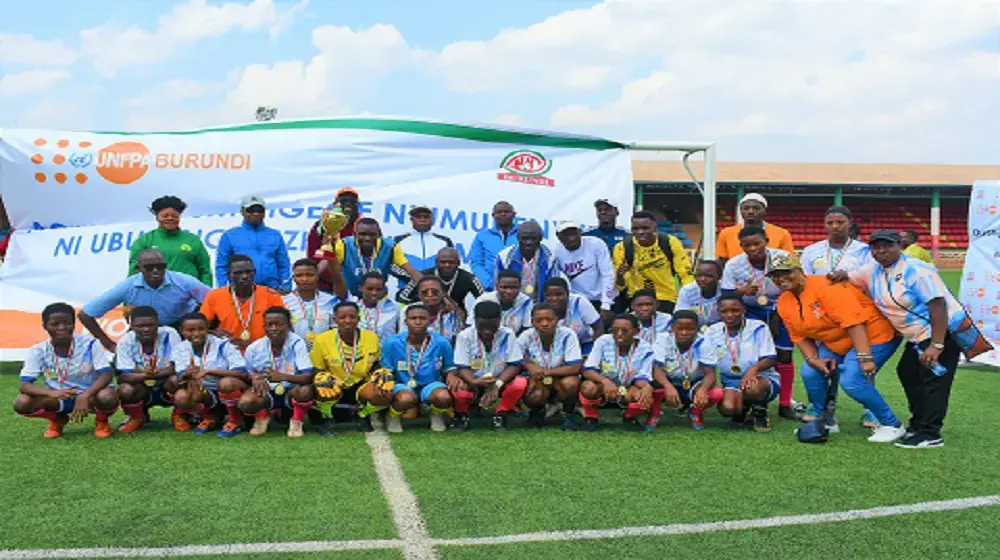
(264, 245)
(420, 245)
(586, 264)
(753, 209)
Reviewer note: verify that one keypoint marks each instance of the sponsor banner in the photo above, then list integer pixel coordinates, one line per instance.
(79, 200)
(980, 290)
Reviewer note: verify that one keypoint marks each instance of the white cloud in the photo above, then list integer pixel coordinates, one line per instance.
(113, 47)
(28, 51)
(31, 81)
(509, 119)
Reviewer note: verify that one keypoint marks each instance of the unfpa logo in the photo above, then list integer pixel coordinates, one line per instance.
(123, 163)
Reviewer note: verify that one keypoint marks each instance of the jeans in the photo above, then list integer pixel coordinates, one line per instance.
(852, 380)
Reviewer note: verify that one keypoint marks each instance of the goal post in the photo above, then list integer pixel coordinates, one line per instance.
(706, 185)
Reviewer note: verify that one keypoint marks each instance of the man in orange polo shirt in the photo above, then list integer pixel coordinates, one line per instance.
(753, 208)
(836, 326)
(236, 311)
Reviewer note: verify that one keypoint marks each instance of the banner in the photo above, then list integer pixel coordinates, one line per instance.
(981, 276)
(78, 200)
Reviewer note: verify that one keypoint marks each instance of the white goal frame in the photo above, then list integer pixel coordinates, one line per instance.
(706, 186)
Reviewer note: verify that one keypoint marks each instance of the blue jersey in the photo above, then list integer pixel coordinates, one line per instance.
(580, 315)
(292, 360)
(626, 369)
(218, 354)
(750, 345)
(400, 357)
(86, 362)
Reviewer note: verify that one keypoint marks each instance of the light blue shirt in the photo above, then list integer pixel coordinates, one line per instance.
(657, 329)
(740, 272)
(398, 356)
(469, 352)
(515, 318)
(565, 349)
(218, 355)
(707, 309)
(383, 319)
(623, 370)
(819, 257)
(87, 361)
(129, 357)
(674, 362)
(292, 360)
(750, 345)
(177, 295)
(316, 315)
(580, 315)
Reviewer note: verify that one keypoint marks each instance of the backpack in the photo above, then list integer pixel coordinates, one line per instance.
(663, 238)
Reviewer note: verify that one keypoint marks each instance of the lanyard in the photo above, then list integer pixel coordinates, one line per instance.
(624, 374)
(61, 373)
(366, 268)
(245, 323)
(486, 356)
(150, 359)
(372, 326)
(567, 320)
(528, 273)
(543, 358)
(762, 285)
(510, 318)
(277, 362)
(436, 324)
(451, 284)
(348, 366)
(840, 255)
(310, 317)
(420, 356)
(685, 364)
(705, 313)
(205, 353)
(649, 333)
(734, 350)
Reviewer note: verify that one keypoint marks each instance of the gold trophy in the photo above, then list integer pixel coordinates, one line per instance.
(333, 221)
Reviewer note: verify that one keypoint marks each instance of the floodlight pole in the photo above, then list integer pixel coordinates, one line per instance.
(708, 183)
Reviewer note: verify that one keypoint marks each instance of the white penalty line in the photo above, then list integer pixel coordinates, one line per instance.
(545, 536)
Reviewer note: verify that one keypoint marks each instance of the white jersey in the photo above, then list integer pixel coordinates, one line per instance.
(312, 316)
(129, 357)
(218, 355)
(292, 360)
(471, 353)
(564, 351)
(515, 318)
(821, 259)
(86, 362)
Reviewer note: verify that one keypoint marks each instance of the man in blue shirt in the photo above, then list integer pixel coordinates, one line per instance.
(607, 229)
(171, 294)
(264, 245)
(489, 242)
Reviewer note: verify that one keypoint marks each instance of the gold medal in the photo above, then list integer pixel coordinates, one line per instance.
(686, 385)
(704, 329)
(476, 365)
(279, 389)
(245, 335)
(622, 392)
(150, 382)
(547, 380)
(488, 377)
(310, 336)
(412, 383)
(735, 370)
(762, 300)
(529, 289)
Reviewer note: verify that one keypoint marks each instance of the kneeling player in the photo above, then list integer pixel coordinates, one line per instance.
(620, 367)
(488, 359)
(746, 357)
(77, 373)
(553, 362)
(281, 375)
(146, 374)
(418, 360)
(345, 359)
(685, 371)
(204, 360)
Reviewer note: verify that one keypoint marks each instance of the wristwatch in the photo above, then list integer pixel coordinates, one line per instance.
(499, 383)
(938, 345)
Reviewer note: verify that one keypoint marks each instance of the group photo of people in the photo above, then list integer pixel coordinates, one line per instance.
(526, 332)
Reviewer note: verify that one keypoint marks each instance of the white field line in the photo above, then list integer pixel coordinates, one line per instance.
(547, 536)
(410, 524)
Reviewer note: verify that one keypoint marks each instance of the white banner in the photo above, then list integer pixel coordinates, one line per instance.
(981, 276)
(79, 199)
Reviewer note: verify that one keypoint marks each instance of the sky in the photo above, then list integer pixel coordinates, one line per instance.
(915, 81)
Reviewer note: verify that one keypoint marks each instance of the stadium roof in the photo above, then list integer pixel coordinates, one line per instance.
(900, 174)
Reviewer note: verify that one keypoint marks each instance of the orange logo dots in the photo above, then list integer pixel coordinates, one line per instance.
(59, 159)
(40, 177)
(123, 162)
(81, 178)
(63, 143)
(60, 178)
(37, 159)
(40, 142)
(86, 144)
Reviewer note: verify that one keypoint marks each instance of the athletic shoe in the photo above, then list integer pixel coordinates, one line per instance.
(810, 414)
(229, 430)
(131, 424)
(789, 413)
(260, 425)
(536, 417)
(394, 424)
(887, 434)
(437, 423)
(295, 428)
(326, 428)
(920, 441)
(102, 429)
(682, 412)
(180, 423)
(697, 418)
(56, 426)
(761, 423)
(571, 422)
(868, 420)
(500, 423)
(832, 426)
(460, 423)
(205, 426)
(590, 424)
(365, 424)
(378, 419)
(551, 409)
(798, 407)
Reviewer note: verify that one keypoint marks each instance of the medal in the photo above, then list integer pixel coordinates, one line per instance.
(348, 366)
(61, 373)
(415, 369)
(279, 389)
(762, 286)
(245, 335)
(310, 315)
(622, 392)
(735, 370)
(488, 377)
(529, 289)
(547, 380)
(528, 274)
(412, 383)
(685, 364)
(372, 325)
(762, 301)
(310, 336)
(734, 351)
(476, 365)
(623, 373)
(687, 384)
(277, 364)
(245, 323)
(149, 360)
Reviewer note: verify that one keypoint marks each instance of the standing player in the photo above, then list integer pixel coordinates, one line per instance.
(349, 355)
(377, 313)
(753, 210)
(653, 324)
(281, 375)
(515, 306)
(575, 312)
(746, 356)
(146, 374)
(619, 368)
(418, 359)
(368, 251)
(685, 376)
(77, 373)
(553, 361)
(487, 362)
(202, 360)
(446, 318)
(702, 295)
(311, 309)
(747, 275)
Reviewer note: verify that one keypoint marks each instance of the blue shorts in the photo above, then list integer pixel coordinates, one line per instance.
(732, 383)
(782, 340)
(423, 392)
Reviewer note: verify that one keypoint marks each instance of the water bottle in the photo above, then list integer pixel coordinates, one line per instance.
(938, 369)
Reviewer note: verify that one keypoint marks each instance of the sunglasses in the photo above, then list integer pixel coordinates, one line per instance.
(151, 267)
(254, 210)
(430, 292)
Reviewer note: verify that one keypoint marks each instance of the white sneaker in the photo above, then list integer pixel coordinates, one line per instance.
(832, 426)
(378, 419)
(437, 423)
(260, 426)
(887, 434)
(394, 425)
(295, 428)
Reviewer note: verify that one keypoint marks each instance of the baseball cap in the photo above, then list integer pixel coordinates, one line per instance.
(251, 200)
(565, 225)
(754, 197)
(601, 201)
(346, 190)
(419, 208)
(889, 235)
(784, 263)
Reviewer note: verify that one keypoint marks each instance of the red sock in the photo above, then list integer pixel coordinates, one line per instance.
(105, 415)
(462, 400)
(42, 413)
(787, 374)
(262, 413)
(300, 409)
(632, 410)
(659, 395)
(590, 406)
(512, 392)
(714, 398)
(135, 410)
(231, 400)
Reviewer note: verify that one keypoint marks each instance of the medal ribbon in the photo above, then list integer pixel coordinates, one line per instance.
(528, 269)
(705, 313)
(487, 358)
(366, 268)
(150, 359)
(685, 364)
(61, 373)
(277, 363)
(543, 358)
(205, 352)
(420, 356)
(245, 323)
(840, 256)
(310, 317)
(734, 352)
(624, 374)
(648, 333)
(762, 285)
(368, 317)
(348, 367)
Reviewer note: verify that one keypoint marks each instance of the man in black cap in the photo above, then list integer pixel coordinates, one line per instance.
(607, 229)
